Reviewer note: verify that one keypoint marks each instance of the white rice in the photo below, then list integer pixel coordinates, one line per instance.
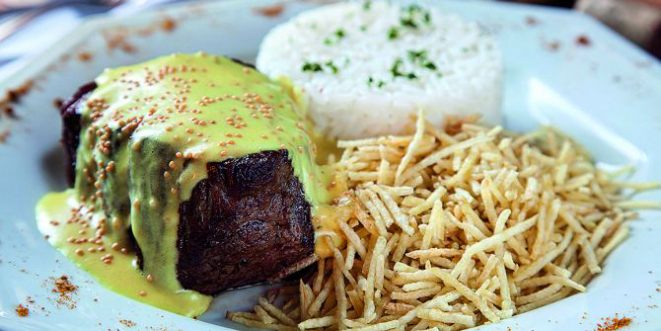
(464, 78)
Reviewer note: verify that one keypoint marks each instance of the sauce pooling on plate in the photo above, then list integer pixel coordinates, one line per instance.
(147, 134)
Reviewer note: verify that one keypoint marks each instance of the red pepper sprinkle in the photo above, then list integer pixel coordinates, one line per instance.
(613, 323)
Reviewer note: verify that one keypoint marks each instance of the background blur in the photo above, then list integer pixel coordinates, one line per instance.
(637, 20)
(28, 26)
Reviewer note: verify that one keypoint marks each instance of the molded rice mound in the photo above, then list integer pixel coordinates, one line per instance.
(365, 69)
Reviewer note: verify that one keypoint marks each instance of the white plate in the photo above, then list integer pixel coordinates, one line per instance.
(607, 95)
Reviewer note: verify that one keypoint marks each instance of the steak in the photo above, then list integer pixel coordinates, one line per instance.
(70, 113)
(247, 222)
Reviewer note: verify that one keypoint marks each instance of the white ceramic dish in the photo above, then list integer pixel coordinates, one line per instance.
(606, 94)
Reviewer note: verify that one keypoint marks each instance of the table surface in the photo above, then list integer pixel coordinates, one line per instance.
(53, 25)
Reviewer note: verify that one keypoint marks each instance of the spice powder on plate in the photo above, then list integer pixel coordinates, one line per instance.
(22, 311)
(613, 323)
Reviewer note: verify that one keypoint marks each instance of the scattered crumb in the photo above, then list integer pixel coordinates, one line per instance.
(63, 286)
(9, 111)
(85, 56)
(270, 11)
(168, 24)
(4, 135)
(22, 311)
(531, 21)
(128, 323)
(58, 102)
(116, 39)
(551, 46)
(14, 96)
(65, 289)
(613, 323)
(583, 40)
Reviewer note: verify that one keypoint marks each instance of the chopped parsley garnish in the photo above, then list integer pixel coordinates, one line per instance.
(413, 16)
(408, 22)
(367, 5)
(427, 17)
(380, 84)
(420, 58)
(311, 66)
(395, 70)
(336, 37)
(317, 67)
(332, 67)
(429, 65)
(363, 28)
(417, 55)
(393, 33)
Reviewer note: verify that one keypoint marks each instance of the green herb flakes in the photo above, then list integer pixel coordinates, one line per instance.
(312, 66)
(420, 58)
(414, 16)
(367, 5)
(317, 67)
(396, 72)
(417, 55)
(380, 84)
(338, 35)
(393, 33)
(429, 65)
(332, 67)
(408, 22)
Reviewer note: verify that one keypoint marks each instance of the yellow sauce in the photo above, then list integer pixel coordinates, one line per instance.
(326, 216)
(122, 274)
(147, 133)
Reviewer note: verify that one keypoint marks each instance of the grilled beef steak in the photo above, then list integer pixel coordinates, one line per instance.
(69, 110)
(248, 222)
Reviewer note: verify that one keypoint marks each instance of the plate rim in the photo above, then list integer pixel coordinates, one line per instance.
(32, 67)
